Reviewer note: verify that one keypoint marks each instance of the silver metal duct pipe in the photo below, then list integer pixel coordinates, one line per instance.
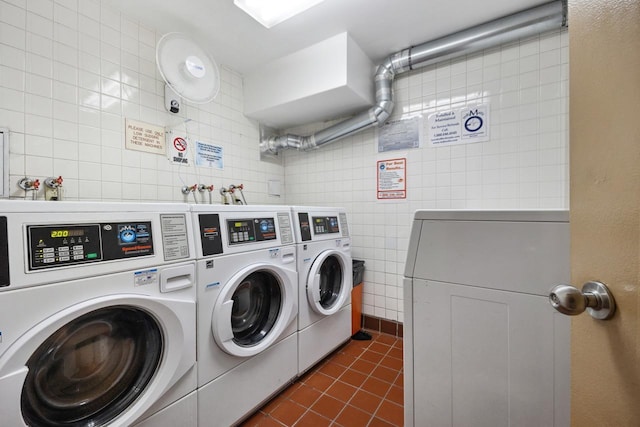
(530, 22)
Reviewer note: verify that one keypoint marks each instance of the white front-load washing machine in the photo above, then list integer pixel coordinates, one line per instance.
(323, 249)
(97, 318)
(247, 309)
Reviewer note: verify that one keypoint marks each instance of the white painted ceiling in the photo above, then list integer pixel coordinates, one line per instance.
(379, 27)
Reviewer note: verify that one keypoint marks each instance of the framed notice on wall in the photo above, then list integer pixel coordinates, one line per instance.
(392, 179)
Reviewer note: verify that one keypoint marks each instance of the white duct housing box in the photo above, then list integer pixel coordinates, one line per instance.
(328, 80)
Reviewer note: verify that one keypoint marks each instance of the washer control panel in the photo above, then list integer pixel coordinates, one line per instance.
(325, 225)
(318, 225)
(70, 244)
(251, 230)
(219, 233)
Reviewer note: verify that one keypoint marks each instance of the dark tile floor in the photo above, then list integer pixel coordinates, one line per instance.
(358, 385)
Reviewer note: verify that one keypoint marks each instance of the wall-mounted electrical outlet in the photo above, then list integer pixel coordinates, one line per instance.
(274, 187)
(171, 100)
(53, 188)
(52, 193)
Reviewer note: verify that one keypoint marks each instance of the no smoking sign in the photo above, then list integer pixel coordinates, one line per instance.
(179, 151)
(180, 144)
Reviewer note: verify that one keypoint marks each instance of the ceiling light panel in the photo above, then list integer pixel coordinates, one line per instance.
(273, 12)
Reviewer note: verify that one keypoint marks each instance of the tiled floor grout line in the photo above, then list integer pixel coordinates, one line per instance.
(352, 355)
(322, 393)
(316, 370)
(369, 375)
(333, 421)
(392, 383)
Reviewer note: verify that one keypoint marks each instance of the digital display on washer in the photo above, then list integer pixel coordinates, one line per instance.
(67, 233)
(59, 245)
(251, 230)
(325, 225)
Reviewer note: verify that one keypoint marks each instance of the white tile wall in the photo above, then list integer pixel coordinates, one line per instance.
(524, 165)
(71, 71)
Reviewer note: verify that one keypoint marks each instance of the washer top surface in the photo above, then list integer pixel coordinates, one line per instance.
(45, 207)
(237, 208)
(537, 215)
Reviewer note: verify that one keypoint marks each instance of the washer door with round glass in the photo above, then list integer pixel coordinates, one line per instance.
(329, 282)
(253, 309)
(100, 362)
(91, 369)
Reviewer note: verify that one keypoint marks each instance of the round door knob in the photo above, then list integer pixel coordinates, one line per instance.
(568, 300)
(595, 297)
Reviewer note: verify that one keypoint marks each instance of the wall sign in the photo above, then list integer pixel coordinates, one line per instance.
(463, 126)
(400, 134)
(177, 147)
(209, 155)
(392, 179)
(140, 136)
(475, 124)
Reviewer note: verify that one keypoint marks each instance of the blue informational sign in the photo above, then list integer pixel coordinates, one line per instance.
(209, 155)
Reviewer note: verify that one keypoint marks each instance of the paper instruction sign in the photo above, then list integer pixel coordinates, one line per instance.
(140, 136)
(392, 179)
(461, 126)
(209, 155)
(400, 134)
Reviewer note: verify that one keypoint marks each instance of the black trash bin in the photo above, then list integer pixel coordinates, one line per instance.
(358, 271)
(356, 302)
